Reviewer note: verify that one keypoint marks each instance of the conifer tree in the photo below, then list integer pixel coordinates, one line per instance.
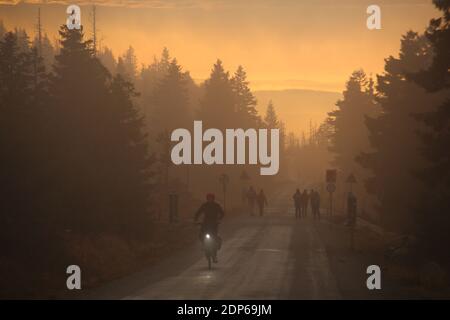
(245, 100)
(393, 135)
(170, 100)
(103, 160)
(217, 107)
(349, 136)
(433, 215)
(271, 119)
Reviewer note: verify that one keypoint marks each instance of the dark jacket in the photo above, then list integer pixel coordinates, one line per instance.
(262, 200)
(212, 212)
(297, 199)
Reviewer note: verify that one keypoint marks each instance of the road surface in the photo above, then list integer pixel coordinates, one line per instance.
(269, 257)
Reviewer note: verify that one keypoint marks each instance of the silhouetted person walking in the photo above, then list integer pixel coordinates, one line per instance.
(297, 203)
(262, 201)
(305, 200)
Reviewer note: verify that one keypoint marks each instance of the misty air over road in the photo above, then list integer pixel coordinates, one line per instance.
(122, 124)
(269, 257)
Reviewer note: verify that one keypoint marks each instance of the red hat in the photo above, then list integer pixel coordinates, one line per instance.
(210, 196)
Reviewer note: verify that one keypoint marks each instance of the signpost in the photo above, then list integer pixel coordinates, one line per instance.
(352, 210)
(351, 180)
(331, 187)
(330, 178)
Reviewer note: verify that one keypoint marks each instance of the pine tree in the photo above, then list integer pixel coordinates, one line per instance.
(165, 60)
(393, 137)
(94, 29)
(170, 100)
(23, 40)
(38, 37)
(24, 145)
(46, 51)
(349, 136)
(150, 76)
(217, 107)
(15, 75)
(245, 100)
(127, 65)
(292, 142)
(433, 215)
(39, 88)
(106, 57)
(102, 154)
(121, 69)
(129, 161)
(148, 84)
(271, 119)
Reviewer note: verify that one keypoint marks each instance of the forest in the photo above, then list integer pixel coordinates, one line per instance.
(85, 147)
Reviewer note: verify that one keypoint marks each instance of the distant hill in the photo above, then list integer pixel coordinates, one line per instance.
(296, 107)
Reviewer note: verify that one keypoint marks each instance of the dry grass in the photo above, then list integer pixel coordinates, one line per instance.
(101, 257)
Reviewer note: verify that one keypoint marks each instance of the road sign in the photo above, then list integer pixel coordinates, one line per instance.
(331, 187)
(351, 178)
(331, 176)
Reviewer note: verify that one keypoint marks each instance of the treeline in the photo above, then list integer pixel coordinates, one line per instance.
(74, 157)
(169, 98)
(394, 135)
(85, 145)
(165, 90)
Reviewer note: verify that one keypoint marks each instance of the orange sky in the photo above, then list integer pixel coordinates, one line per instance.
(281, 43)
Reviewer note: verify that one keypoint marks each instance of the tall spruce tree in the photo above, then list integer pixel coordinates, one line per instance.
(395, 156)
(435, 220)
(103, 163)
(245, 100)
(106, 57)
(217, 107)
(271, 119)
(349, 136)
(171, 101)
(127, 65)
(24, 144)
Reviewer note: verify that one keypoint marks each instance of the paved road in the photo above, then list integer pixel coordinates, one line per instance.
(270, 257)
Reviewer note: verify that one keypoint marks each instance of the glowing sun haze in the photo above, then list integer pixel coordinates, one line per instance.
(282, 44)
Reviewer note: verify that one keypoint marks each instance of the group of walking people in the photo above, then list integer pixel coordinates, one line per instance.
(258, 200)
(253, 199)
(302, 200)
